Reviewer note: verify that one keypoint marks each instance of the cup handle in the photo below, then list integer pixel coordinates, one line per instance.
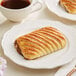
(36, 6)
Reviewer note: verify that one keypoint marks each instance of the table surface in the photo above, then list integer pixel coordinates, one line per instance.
(16, 70)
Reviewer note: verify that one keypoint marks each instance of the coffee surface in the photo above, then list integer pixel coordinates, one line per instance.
(15, 4)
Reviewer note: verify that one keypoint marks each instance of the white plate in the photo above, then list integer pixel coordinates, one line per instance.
(47, 62)
(64, 70)
(53, 5)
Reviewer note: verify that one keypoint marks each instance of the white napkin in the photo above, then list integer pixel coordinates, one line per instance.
(64, 70)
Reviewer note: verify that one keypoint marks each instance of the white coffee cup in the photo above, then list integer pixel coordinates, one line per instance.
(18, 15)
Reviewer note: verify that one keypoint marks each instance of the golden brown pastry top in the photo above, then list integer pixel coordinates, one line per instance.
(69, 5)
(40, 42)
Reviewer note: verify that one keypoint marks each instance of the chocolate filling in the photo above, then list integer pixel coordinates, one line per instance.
(17, 47)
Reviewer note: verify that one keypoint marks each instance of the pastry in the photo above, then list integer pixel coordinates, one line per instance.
(69, 5)
(40, 42)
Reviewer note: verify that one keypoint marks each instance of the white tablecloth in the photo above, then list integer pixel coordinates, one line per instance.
(16, 70)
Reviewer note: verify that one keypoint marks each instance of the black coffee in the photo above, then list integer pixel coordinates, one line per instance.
(15, 4)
